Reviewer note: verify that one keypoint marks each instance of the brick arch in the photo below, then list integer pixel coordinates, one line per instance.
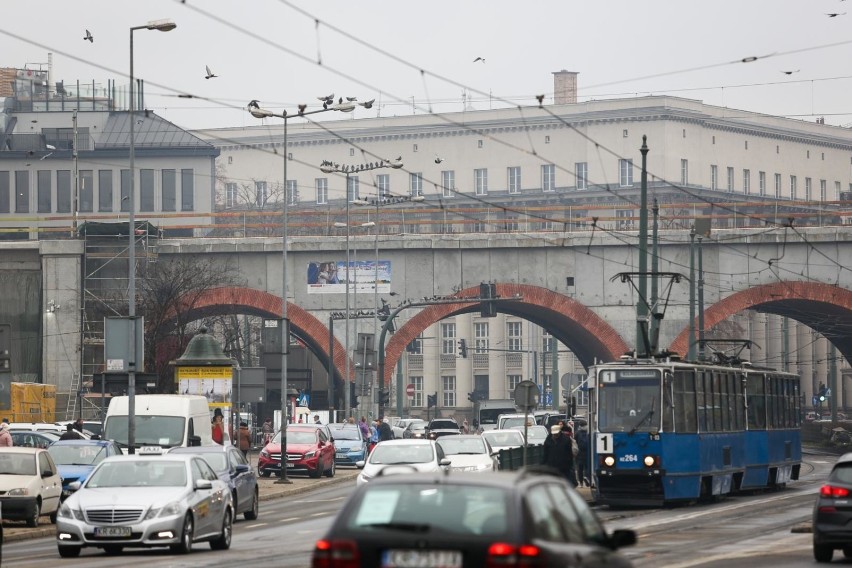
(822, 307)
(569, 321)
(303, 325)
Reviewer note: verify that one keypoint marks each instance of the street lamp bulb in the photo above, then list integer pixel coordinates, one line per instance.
(368, 224)
(418, 198)
(260, 112)
(344, 107)
(161, 25)
(396, 164)
(327, 168)
(339, 225)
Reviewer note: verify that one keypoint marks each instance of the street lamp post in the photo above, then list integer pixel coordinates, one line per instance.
(328, 167)
(162, 26)
(256, 111)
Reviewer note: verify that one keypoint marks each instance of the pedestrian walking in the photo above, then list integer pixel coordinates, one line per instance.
(317, 419)
(374, 434)
(385, 430)
(583, 474)
(5, 436)
(266, 430)
(365, 428)
(217, 427)
(465, 427)
(559, 455)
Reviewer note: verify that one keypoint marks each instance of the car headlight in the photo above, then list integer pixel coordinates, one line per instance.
(264, 453)
(67, 512)
(483, 466)
(311, 454)
(18, 491)
(365, 477)
(169, 510)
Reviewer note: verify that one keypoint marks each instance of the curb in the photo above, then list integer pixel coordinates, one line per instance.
(293, 489)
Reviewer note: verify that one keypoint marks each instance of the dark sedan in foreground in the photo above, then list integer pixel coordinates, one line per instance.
(832, 519)
(467, 520)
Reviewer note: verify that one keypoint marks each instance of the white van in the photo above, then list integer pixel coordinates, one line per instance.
(164, 420)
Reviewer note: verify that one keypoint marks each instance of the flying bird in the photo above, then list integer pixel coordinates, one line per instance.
(89, 37)
(479, 59)
(835, 14)
(438, 159)
(790, 72)
(352, 99)
(210, 74)
(368, 104)
(540, 99)
(302, 108)
(328, 99)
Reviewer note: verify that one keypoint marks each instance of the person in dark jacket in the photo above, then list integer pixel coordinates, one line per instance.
(70, 433)
(385, 431)
(559, 455)
(583, 474)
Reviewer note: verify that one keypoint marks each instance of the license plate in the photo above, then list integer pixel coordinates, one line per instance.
(421, 559)
(290, 465)
(112, 531)
(341, 454)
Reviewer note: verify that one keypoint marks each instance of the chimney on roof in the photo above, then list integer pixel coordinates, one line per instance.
(565, 87)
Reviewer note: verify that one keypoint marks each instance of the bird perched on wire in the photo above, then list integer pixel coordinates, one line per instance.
(89, 37)
(254, 103)
(790, 72)
(302, 108)
(210, 74)
(835, 14)
(540, 99)
(479, 59)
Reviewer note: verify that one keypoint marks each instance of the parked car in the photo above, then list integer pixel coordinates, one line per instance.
(48, 427)
(402, 456)
(415, 430)
(402, 424)
(350, 445)
(76, 459)
(32, 439)
(232, 468)
(90, 427)
(30, 485)
(143, 500)
(469, 452)
(442, 427)
(504, 439)
(536, 435)
(509, 518)
(309, 450)
(832, 515)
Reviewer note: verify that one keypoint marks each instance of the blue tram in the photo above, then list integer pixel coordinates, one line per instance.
(667, 431)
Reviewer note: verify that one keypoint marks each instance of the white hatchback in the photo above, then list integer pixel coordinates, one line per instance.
(30, 485)
(400, 456)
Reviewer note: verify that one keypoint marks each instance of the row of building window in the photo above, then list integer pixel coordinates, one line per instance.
(53, 191)
(415, 186)
(779, 193)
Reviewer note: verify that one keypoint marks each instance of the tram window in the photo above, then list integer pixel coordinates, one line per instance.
(756, 402)
(684, 399)
(739, 402)
(668, 411)
(721, 380)
(700, 397)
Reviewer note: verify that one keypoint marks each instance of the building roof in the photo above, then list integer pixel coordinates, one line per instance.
(151, 131)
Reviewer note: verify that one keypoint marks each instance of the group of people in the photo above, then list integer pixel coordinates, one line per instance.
(377, 431)
(567, 453)
(218, 432)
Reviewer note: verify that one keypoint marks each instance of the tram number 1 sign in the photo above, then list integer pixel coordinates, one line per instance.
(603, 444)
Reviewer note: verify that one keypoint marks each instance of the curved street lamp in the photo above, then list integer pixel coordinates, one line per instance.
(257, 111)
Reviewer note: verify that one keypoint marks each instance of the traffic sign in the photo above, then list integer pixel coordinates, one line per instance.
(409, 390)
(527, 395)
(548, 399)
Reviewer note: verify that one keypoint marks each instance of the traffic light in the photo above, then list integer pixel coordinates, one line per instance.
(463, 348)
(384, 398)
(471, 396)
(353, 396)
(823, 392)
(431, 400)
(486, 291)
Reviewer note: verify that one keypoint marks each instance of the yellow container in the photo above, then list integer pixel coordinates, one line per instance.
(31, 402)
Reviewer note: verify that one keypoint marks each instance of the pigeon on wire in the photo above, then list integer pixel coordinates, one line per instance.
(479, 59)
(89, 37)
(790, 72)
(835, 14)
(210, 74)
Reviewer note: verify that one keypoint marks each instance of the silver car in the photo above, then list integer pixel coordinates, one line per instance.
(169, 500)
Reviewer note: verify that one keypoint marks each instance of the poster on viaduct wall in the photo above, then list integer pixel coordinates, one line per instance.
(331, 277)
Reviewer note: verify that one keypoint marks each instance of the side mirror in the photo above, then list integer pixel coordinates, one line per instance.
(74, 485)
(47, 473)
(445, 462)
(242, 468)
(194, 441)
(360, 464)
(95, 437)
(203, 484)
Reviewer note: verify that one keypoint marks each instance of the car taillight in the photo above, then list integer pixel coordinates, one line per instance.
(833, 492)
(501, 554)
(336, 554)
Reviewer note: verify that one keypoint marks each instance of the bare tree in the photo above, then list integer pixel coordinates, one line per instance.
(169, 297)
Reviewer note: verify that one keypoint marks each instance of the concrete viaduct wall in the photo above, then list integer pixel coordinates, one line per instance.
(567, 282)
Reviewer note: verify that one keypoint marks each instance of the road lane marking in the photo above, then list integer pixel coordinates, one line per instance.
(254, 526)
(331, 500)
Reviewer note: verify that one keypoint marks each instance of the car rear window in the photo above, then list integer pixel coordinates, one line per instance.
(842, 472)
(439, 509)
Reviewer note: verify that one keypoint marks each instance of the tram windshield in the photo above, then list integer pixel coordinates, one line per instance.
(629, 400)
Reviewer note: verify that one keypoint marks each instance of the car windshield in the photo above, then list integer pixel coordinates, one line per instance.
(346, 434)
(165, 431)
(535, 434)
(217, 460)
(515, 421)
(454, 445)
(77, 454)
(297, 437)
(842, 473)
(139, 473)
(444, 509)
(629, 400)
(17, 464)
(401, 453)
(501, 439)
(443, 425)
(417, 426)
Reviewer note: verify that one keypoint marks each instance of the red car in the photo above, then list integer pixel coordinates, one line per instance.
(309, 450)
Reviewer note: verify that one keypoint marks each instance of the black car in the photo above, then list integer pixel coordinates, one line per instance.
(442, 427)
(833, 512)
(232, 468)
(466, 520)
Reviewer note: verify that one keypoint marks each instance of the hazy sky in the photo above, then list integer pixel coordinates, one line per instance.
(271, 50)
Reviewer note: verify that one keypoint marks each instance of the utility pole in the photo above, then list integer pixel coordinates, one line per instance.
(641, 304)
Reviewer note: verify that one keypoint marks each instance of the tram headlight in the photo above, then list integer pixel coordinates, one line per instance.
(651, 461)
(609, 461)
